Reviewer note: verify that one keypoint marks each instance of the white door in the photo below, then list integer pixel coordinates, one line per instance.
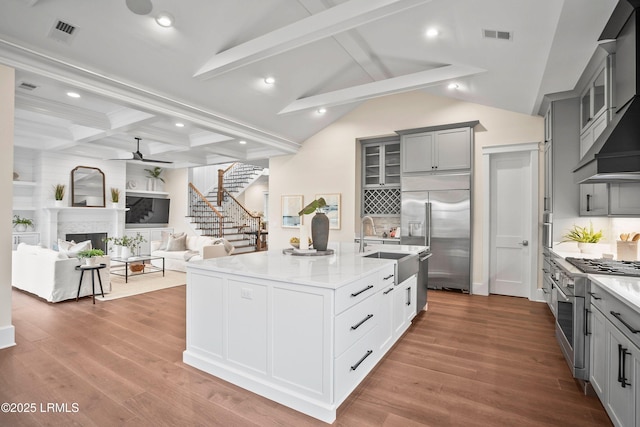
(510, 219)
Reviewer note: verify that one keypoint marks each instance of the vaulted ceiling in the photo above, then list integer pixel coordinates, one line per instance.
(207, 72)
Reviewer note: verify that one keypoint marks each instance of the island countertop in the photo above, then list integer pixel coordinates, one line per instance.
(328, 271)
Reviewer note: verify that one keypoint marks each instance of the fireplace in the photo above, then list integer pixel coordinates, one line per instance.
(96, 239)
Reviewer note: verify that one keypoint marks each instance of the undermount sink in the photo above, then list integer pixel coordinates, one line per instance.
(406, 263)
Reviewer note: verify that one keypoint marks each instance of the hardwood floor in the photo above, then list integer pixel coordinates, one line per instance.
(468, 361)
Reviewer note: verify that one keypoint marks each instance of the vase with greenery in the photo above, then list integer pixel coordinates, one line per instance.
(89, 256)
(586, 237)
(115, 195)
(154, 176)
(131, 245)
(319, 224)
(21, 224)
(58, 193)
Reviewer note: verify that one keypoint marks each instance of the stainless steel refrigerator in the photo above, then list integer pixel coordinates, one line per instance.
(436, 212)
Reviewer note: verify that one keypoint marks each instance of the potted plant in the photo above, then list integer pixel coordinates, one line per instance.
(58, 194)
(131, 245)
(319, 224)
(21, 224)
(115, 197)
(586, 237)
(154, 176)
(89, 256)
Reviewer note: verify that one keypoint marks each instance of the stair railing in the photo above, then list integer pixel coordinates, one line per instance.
(248, 223)
(210, 220)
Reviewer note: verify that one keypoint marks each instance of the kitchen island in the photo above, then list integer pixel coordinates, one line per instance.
(303, 331)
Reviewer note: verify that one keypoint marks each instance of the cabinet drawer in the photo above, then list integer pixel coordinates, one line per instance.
(357, 291)
(387, 276)
(355, 364)
(625, 318)
(356, 322)
(599, 297)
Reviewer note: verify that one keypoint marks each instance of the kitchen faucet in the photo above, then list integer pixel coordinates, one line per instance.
(362, 231)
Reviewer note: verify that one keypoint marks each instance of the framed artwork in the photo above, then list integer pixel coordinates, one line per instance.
(332, 209)
(291, 205)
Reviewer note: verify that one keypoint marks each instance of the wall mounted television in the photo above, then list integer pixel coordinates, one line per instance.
(147, 210)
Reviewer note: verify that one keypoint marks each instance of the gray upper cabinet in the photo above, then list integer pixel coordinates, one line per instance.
(562, 133)
(381, 177)
(437, 151)
(381, 164)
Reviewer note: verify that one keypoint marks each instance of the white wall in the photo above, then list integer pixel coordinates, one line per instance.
(7, 90)
(328, 162)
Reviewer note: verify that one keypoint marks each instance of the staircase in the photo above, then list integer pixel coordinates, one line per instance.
(219, 214)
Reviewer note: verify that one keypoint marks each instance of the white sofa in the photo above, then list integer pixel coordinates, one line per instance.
(52, 275)
(195, 248)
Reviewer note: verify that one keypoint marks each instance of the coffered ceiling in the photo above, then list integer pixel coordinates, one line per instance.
(136, 78)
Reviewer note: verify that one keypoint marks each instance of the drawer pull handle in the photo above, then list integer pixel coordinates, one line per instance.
(357, 325)
(594, 296)
(388, 277)
(619, 317)
(354, 367)
(355, 294)
(388, 290)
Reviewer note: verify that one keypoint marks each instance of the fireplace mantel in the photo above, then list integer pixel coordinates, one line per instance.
(71, 220)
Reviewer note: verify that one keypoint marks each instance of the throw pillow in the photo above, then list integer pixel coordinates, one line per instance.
(65, 246)
(165, 240)
(72, 252)
(177, 243)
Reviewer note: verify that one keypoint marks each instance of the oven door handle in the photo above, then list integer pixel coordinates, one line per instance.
(562, 294)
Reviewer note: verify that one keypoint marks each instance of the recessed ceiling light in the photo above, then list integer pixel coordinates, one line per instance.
(432, 32)
(164, 19)
(452, 86)
(73, 94)
(321, 110)
(180, 125)
(242, 142)
(269, 81)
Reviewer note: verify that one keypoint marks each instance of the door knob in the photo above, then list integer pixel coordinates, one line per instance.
(524, 243)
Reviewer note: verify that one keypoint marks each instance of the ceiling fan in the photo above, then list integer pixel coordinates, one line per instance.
(137, 155)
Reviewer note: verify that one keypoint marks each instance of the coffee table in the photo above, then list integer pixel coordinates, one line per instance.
(123, 268)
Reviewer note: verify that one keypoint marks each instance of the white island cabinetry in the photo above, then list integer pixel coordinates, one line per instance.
(302, 331)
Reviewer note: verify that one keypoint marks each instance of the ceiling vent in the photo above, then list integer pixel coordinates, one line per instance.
(496, 34)
(63, 32)
(27, 86)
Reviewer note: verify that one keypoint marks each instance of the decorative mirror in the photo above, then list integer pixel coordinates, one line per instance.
(87, 187)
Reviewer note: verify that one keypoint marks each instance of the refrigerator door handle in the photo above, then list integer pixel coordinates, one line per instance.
(428, 222)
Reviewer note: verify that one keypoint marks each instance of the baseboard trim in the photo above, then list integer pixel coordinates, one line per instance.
(7, 336)
(480, 288)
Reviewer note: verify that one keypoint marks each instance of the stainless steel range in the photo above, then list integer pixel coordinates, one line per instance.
(571, 287)
(572, 300)
(606, 266)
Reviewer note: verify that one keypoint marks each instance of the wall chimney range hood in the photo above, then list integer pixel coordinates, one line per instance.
(615, 155)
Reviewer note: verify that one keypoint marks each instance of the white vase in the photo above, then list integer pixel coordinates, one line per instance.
(21, 228)
(116, 251)
(125, 252)
(91, 261)
(58, 203)
(151, 184)
(588, 248)
(114, 205)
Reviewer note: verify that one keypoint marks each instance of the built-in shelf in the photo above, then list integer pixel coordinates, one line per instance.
(24, 183)
(154, 193)
(82, 208)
